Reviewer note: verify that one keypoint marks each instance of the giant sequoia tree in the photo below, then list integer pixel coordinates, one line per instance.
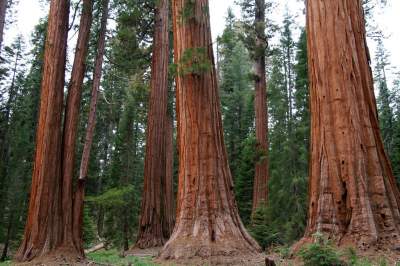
(207, 222)
(52, 225)
(260, 185)
(157, 216)
(353, 193)
(43, 226)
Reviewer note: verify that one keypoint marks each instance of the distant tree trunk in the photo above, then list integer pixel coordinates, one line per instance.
(95, 90)
(5, 143)
(73, 221)
(353, 196)
(260, 188)
(43, 230)
(207, 222)
(3, 12)
(8, 236)
(156, 213)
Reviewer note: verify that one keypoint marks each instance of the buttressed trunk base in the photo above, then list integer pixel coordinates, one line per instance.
(353, 194)
(207, 222)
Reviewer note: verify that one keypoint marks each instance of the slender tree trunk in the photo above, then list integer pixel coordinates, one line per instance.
(99, 185)
(43, 230)
(353, 196)
(3, 12)
(95, 90)
(207, 222)
(169, 222)
(156, 212)
(72, 215)
(5, 143)
(260, 189)
(8, 236)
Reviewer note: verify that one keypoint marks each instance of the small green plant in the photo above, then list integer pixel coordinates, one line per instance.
(283, 251)
(262, 229)
(320, 253)
(354, 260)
(194, 61)
(383, 262)
(189, 13)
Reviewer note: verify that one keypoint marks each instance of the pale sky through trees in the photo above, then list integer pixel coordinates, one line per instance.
(29, 12)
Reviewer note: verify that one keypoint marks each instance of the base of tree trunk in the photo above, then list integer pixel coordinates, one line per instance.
(232, 260)
(60, 256)
(149, 242)
(386, 245)
(195, 248)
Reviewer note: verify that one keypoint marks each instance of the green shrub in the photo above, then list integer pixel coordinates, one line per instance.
(352, 258)
(89, 229)
(262, 230)
(320, 253)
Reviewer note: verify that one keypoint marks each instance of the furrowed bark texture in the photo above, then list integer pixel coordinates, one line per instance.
(353, 194)
(260, 187)
(95, 91)
(43, 229)
(207, 222)
(169, 174)
(72, 211)
(156, 212)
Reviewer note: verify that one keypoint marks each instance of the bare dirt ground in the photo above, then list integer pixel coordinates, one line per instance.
(142, 253)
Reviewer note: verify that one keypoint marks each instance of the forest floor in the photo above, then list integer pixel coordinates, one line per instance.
(280, 256)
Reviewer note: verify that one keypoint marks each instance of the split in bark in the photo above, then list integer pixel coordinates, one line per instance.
(207, 222)
(156, 219)
(353, 194)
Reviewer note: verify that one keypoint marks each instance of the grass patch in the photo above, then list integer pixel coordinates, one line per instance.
(112, 257)
(5, 263)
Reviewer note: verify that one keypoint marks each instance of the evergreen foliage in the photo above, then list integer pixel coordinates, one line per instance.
(115, 180)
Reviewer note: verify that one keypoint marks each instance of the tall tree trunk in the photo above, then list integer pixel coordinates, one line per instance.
(95, 90)
(72, 221)
(352, 193)
(156, 212)
(44, 226)
(169, 222)
(207, 222)
(5, 143)
(8, 236)
(260, 189)
(3, 12)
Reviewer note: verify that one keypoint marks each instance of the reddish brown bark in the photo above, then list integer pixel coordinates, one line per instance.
(353, 194)
(207, 222)
(156, 214)
(52, 225)
(44, 226)
(72, 213)
(260, 187)
(95, 90)
(169, 174)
